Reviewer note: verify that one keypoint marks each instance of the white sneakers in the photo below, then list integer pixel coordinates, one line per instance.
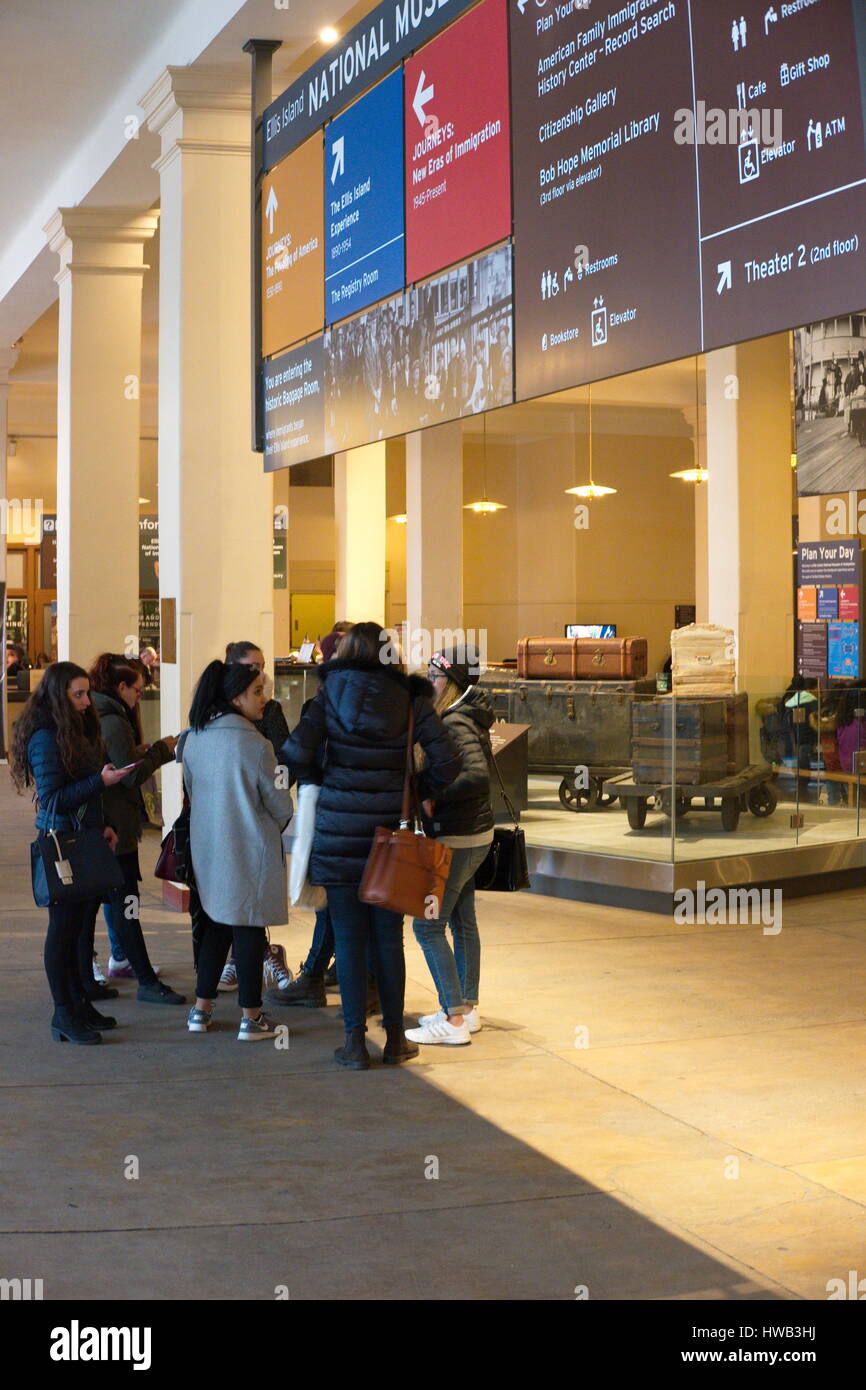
(471, 1018)
(439, 1030)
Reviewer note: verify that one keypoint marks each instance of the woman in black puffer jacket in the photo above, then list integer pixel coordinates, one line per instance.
(361, 714)
(462, 818)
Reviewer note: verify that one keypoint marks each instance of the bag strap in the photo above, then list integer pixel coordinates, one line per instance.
(409, 784)
(491, 758)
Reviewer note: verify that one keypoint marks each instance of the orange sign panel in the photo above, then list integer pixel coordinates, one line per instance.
(293, 247)
(807, 604)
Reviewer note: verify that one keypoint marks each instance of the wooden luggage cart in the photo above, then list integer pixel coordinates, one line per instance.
(749, 790)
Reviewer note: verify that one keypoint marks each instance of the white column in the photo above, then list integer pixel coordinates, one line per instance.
(215, 501)
(749, 507)
(359, 511)
(101, 253)
(434, 539)
(8, 358)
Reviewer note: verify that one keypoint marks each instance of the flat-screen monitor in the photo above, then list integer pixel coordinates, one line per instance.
(592, 630)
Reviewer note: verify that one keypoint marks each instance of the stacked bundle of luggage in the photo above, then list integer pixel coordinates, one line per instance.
(703, 660)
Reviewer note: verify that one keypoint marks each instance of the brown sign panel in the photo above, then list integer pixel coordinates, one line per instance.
(168, 631)
(293, 248)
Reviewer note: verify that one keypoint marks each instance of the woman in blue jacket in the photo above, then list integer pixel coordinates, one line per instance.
(57, 747)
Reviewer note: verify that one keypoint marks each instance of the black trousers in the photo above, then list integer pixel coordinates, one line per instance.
(67, 924)
(124, 909)
(249, 950)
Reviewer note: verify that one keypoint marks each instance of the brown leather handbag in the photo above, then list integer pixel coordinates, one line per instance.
(405, 871)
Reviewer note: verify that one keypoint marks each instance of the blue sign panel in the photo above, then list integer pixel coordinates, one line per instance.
(843, 650)
(828, 603)
(364, 229)
(293, 386)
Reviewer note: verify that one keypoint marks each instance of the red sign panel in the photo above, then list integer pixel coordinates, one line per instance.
(458, 174)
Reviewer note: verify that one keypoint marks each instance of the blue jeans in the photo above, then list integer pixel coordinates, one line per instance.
(322, 945)
(455, 973)
(356, 926)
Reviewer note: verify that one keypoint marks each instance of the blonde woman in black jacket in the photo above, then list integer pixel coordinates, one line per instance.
(461, 817)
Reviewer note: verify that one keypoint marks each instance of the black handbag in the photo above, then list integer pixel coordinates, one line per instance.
(175, 860)
(505, 869)
(72, 866)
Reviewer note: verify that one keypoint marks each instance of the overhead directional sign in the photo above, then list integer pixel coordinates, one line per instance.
(364, 201)
(293, 249)
(294, 406)
(458, 163)
(375, 45)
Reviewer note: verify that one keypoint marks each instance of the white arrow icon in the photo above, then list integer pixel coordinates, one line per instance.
(422, 96)
(338, 150)
(726, 276)
(521, 5)
(270, 208)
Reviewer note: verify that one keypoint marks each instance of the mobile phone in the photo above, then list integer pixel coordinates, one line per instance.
(127, 767)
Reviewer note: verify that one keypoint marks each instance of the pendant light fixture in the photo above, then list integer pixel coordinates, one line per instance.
(592, 489)
(697, 474)
(483, 507)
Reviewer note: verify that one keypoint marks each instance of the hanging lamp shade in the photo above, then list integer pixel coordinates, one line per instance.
(483, 506)
(697, 474)
(591, 490)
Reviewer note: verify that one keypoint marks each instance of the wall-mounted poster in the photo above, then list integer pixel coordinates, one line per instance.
(148, 554)
(812, 650)
(830, 403)
(843, 650)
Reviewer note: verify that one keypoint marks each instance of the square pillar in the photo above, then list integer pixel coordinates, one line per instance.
(216, 503)
(359, 510)
(434, 539)
(101, 253)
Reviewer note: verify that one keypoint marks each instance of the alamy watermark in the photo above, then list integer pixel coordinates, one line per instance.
(700, 906)
(414, 647)
(22, 517)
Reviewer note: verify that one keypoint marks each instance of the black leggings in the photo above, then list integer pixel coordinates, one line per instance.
(249, 950)
(124, 909)
(67, 924)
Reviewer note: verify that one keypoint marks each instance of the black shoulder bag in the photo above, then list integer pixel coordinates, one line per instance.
(505, 869)
(72, 866)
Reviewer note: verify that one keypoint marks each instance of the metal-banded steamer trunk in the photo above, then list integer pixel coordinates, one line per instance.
(573, 724)
(701, 753)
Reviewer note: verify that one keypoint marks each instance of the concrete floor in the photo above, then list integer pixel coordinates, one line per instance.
(707, 1142)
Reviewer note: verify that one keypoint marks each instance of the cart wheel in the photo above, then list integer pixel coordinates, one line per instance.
(603, 799)
(663, 800)
(730, 812)
(763, 800)
(577, 798)
(635, 809)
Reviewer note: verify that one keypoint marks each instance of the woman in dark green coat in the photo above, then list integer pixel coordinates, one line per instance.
(116, 691)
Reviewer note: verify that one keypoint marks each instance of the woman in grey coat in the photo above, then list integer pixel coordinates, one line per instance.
(238, 809)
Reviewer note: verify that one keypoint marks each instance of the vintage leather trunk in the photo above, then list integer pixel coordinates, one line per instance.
(701, 753)
(571, 722)
(582, 658)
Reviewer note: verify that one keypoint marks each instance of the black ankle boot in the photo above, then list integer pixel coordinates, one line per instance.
(398, 1048)
(93, 1018)
(66, 1026)
(353, 1054)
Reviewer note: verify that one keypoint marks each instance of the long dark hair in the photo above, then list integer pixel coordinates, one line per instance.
(369, 643)
(219, 683)
(78, 738)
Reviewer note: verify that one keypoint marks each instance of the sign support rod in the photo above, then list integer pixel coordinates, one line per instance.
(261, 53)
